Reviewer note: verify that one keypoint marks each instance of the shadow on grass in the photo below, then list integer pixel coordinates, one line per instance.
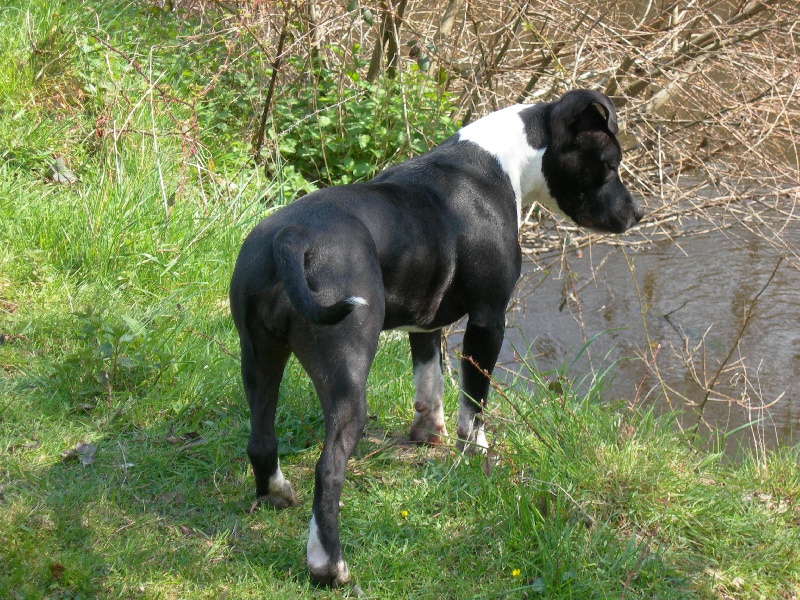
(573, 507)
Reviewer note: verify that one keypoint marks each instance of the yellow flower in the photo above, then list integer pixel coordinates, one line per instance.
(404, 513)
(516, 573)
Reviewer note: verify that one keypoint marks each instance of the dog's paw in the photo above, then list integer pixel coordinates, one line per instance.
(427, 430)
(472, 442)
(332, 575)
(277, 502)
(279, 497)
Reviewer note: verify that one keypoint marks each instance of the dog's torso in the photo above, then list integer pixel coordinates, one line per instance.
(443, 225)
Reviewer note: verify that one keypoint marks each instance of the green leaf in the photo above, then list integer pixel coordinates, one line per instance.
(105, 350)
(133, 324)
(127, 362)
(362, 169)
(287, 146)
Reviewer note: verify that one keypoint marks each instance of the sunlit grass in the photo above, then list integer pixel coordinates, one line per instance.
(116, 333)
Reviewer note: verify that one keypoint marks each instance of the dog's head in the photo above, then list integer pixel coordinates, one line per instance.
(581, 163)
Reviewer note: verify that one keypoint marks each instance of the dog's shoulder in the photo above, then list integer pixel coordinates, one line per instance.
(509, 129)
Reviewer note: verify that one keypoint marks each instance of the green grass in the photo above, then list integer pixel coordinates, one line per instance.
(116, 333)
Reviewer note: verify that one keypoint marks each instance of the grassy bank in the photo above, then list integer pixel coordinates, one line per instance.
(122, 419)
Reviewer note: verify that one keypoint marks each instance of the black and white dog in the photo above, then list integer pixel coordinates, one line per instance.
(416, 248)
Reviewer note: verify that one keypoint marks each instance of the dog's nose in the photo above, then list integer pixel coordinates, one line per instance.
(638, 212)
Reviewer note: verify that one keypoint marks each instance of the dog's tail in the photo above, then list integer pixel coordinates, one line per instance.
(289, 250)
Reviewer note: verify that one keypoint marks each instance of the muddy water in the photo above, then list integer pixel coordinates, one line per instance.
(695, 293)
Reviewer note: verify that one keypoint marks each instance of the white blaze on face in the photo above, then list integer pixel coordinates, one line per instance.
(502, 134)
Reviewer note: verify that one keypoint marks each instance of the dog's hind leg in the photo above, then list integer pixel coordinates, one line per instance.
(263, 361)
(482, 341)
(426, 355)
(338, 365)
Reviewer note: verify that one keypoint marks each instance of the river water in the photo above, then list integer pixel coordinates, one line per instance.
(695, 293)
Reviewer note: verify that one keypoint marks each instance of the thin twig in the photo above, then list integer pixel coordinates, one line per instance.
(258, 139)
(750, 311)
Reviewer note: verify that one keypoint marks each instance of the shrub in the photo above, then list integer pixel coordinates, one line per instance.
(336, 128)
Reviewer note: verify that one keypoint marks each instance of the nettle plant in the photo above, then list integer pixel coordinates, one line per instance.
(333, 128)
(114, 354)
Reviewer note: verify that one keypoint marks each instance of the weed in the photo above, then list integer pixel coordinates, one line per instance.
(114, 355)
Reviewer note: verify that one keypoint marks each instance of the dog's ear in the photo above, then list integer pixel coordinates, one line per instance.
(572, 105)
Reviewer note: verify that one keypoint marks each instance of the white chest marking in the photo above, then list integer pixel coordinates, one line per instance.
(414, 329)
(502, 134)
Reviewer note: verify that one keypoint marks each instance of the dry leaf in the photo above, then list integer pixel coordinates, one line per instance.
(57, 571)
(62, 174)
(184, 437)
(69, 455)
(83, 452)
(86, 453)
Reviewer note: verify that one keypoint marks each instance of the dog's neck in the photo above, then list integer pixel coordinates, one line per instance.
(502, 134)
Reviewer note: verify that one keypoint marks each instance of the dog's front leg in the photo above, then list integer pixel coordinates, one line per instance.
(482, 341)
(426, 355)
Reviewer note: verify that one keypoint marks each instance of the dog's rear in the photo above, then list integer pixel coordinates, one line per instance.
(291, 262)
(295, 289)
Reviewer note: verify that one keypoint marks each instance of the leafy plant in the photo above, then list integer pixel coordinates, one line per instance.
(337, 128)
(114, 354)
